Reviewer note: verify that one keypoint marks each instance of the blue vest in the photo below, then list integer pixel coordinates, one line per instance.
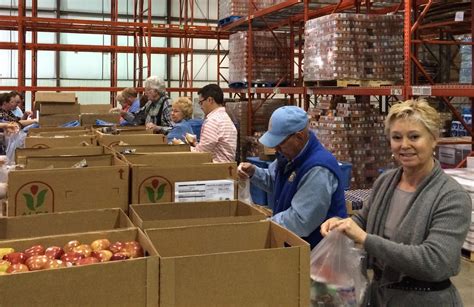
(314, 154)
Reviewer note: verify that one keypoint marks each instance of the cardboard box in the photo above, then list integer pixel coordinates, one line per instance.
(132, 282)
(169, 158)
(165, 215)
(55, 97)
(242, 264)
(57, 120)
(22, 153)
(49, 142)
(68, 189)
(451, 155)
(164, 178)
(151, 148)
(40, 225)
(95, 108)
(36, 131)
(125, 130)
(130, 139)
(57, 108)
(90, 119)
(64, 133)
(68, 161)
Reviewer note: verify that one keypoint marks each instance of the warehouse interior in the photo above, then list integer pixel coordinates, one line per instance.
(344, 62)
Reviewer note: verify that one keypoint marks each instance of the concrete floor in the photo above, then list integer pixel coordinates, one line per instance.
(464, 282)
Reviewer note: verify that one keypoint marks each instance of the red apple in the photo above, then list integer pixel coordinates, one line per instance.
(133, 248)
(35, 250)
(71, 257)
(116, 247)
(54, 252)
(70, 245)
(54, 264)
(100, 244)
(15, 258)
(17, 268)
(35, 263)
(102, 255)
(84, 249)
(4, 265)
(87, 260)
(120, 256)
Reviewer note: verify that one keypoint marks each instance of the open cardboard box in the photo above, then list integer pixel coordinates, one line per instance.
(41, 162)
(65, 133)
(61, 130)
(95, 108)
(110, 140)
(169, 158)
(131, 282)
(22, 153)
(163, 215)
(152, 148)
(68, 189)
(40, 225)
(55, 120)
(57, 108)
(66, 141)
(125, 130)
(89, 119)
(55, 97)
(165, 177)
(242, 264)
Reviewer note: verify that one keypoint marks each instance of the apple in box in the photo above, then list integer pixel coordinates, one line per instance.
(35, 250)
(5, 251)
(54, 252)
(17, 268)
(87, 260)
(15, 257)
(4, 265)
(120, 256)
(35, 263)
(55, 264)
(102, 255)
(70, 245)
(71, 257)
(100, 244)
(133, 248)
(84, 249)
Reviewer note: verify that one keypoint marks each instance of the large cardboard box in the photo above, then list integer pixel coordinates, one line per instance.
(125, 130)
(169, 158)
(67, 141)
(242, 264)
(36, 131)
(160, 181)
(40, 162)
(124, 149)
(68, 189)
(57, 108)
(165, 215)
(451, 155)
(40, 225)
(95, 108)
(130, 139)
(89, 119)
(132, 282)
(22, 153)
(55, 97)
(64, 133)
(57, 119)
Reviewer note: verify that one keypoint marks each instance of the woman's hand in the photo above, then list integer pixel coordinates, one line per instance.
(328, 225)
(352, 230)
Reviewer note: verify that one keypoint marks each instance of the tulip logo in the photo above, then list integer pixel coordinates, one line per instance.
(154, 189)
(37, 198)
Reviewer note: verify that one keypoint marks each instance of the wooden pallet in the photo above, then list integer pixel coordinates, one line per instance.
(467, 254)
(351, 82)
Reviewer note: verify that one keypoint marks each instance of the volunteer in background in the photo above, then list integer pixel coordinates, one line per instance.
(218, 133)
(305, 181)
(8, 103)
(18, 99)
(156, 113)
(181, 113)
(131, 99)
(416, 220)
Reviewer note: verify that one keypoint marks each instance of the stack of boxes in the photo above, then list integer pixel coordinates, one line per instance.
(354, 133)
(56, 109)
(270, 58)
(354, 46)
(229, 8)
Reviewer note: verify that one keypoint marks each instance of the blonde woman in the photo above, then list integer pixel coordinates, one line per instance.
(416, 220)
(181, 113)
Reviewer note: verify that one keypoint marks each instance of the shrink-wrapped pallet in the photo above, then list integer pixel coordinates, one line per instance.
(228, 8)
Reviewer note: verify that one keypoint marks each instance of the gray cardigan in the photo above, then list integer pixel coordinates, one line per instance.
(427, 243)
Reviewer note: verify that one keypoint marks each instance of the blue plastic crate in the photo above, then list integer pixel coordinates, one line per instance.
(259, 196)
(196, 124)
(346, 174)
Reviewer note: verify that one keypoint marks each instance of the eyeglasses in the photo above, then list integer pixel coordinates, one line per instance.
(286, 139)
(202, 101)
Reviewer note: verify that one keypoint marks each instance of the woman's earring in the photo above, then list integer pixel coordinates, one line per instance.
(392, 157)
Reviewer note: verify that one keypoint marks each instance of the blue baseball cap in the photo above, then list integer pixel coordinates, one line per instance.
(284, 122)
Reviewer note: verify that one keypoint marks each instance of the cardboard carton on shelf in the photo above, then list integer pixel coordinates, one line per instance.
(55, 97)
(59, 141)
(46, 190)
(164, 215)
(132, 282)
(40, 225)
(242, 264)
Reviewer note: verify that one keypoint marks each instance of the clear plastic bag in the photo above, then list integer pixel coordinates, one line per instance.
(338, 276)
(12, 142)
(244, 191)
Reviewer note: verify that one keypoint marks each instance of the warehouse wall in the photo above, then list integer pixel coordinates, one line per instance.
(93, 69)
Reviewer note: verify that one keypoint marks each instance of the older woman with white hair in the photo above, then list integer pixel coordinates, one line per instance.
(156, 113)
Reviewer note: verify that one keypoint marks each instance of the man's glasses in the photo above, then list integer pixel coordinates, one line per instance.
(202, 101)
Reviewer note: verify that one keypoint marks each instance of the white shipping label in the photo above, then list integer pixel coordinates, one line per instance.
(459, 16)
(203, 190)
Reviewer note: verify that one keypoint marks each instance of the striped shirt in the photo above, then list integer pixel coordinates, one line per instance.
(218, 136)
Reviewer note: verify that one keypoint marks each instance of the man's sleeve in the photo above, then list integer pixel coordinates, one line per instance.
(310, 203)
(264, 178)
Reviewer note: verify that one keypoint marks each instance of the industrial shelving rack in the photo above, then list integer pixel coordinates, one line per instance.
(292, 14)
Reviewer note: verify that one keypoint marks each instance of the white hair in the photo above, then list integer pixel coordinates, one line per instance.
(155, 83)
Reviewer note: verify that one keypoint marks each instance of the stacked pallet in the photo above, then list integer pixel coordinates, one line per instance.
(239, 8)
(354, 133)
(269, 58)
(354, 46)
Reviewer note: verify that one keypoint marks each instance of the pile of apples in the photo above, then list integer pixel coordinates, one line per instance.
(72, 254)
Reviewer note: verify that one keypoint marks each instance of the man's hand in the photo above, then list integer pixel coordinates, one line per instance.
(328, 225)
(27, 114)
(245, 170)
(352, 230)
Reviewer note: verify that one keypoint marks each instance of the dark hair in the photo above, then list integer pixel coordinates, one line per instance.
(214, 91)
(15, 93)
(4, 97)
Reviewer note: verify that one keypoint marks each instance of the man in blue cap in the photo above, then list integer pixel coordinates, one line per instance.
(305, 181)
